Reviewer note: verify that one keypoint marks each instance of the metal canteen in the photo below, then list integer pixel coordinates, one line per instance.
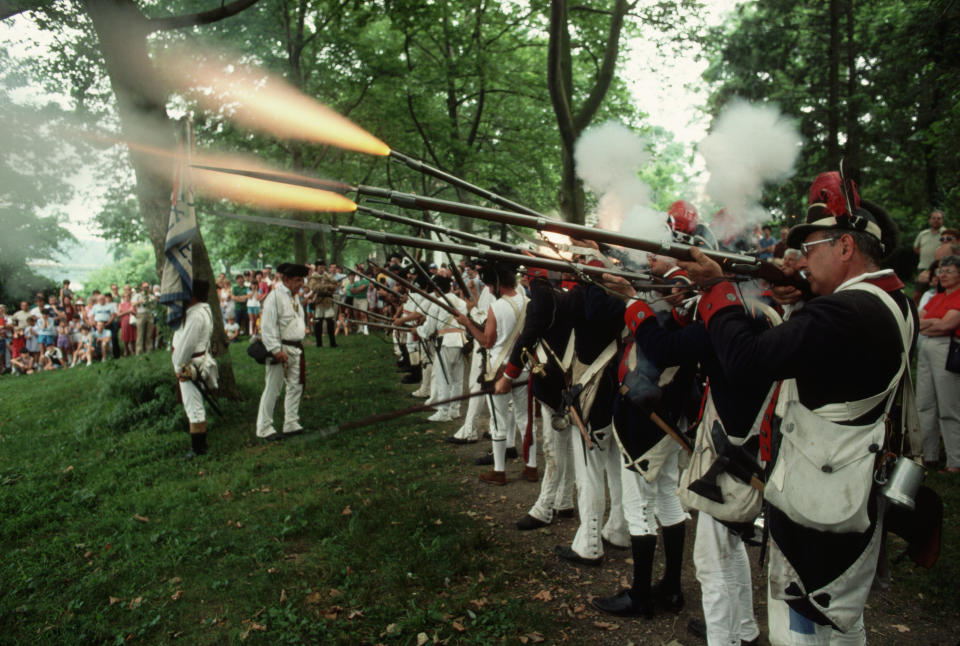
(560, 422)
(902, 485)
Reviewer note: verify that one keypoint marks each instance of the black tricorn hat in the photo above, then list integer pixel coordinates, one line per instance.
(292, 270)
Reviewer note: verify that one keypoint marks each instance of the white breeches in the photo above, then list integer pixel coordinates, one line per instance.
(644, 503)
(556, 487)
(508, 413)
(789, 628)
(723, 571)
(448, 380)
(278, 374)
(589, 468)
(192, 402)
(468, 430)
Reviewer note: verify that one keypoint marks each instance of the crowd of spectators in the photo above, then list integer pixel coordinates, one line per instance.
(67, 329)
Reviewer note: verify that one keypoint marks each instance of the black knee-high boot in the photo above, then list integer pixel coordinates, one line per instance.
(635, 601)
(668, 591)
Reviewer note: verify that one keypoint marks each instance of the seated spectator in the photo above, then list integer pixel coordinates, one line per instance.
(85, 347)
(102, 342)
(51, 359)
(232, 328)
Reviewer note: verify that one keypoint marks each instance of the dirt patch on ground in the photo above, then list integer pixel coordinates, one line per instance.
(892, 618)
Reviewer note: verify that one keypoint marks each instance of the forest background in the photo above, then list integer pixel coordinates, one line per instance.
(495, 92)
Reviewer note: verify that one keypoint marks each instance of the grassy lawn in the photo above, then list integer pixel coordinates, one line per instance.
(109, 536)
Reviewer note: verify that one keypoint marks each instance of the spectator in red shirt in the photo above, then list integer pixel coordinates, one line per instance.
(938, 390)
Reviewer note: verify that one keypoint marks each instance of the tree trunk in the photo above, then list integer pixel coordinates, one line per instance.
(853, 100)
(833, 87)
(122, 30)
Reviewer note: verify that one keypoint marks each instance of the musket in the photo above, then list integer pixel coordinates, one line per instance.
(382, 237)
(385, 326)
(354, 307)
(387, 289)
(438, 228)
(385, 417)
(729, 261)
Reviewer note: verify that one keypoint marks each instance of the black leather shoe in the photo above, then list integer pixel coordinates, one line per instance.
(459, 440)
(299, 431)
(568, 554)
(273, 437)
(613, 546)
(565, 513)
(623, 605)
(528, 522)
(484, 460)
(512, 453)
(697, 628)
(668, 599)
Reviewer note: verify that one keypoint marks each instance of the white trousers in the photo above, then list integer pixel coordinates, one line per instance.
(508, 413)
(448, 380)
(644, 503)
(278, 374)
(192, 402)
(938, 400)
(468, 430)
(556, 486)
(723, 571)
(789, 628)
(589, 466)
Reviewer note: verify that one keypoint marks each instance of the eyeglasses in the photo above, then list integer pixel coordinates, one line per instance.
(947, 271)
(805, 246)
(947, 238)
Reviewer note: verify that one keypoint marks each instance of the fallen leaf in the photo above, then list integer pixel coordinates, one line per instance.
(175, 580)
(422, 639)
(313, 598)
(114, 600)
(535, 637)
(346, 511)
(332, 612)
(458, 626)
(176, 595)
(272, 570)
(141, 519)
(603, 625)
(283, 596)
(68, 469)
(135, 603)
(355, 614)
(901, 628)
(438, 522)
(543, 595)
(391, 629)
(478, 603)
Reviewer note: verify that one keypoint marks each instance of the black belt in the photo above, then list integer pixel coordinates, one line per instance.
(295, 344)
(197, 355)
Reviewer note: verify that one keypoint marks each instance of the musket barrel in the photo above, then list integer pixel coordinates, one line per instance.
(490, 254)
(734, 262)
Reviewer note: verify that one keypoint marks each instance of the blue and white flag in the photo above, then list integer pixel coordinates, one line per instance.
(176, 283)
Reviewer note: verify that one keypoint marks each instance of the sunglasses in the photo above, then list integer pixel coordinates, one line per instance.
(947, 238)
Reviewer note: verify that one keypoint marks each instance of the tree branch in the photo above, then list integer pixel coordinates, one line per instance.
(605, 77)
(200, 18)
(555, 82)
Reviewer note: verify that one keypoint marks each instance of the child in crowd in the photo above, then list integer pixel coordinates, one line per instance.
(6, 331)
(31, 334)
(51, 359)
(21, 361)
(232, 328)
(63, 336)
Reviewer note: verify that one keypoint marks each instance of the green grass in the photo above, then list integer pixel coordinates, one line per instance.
(109, 536)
